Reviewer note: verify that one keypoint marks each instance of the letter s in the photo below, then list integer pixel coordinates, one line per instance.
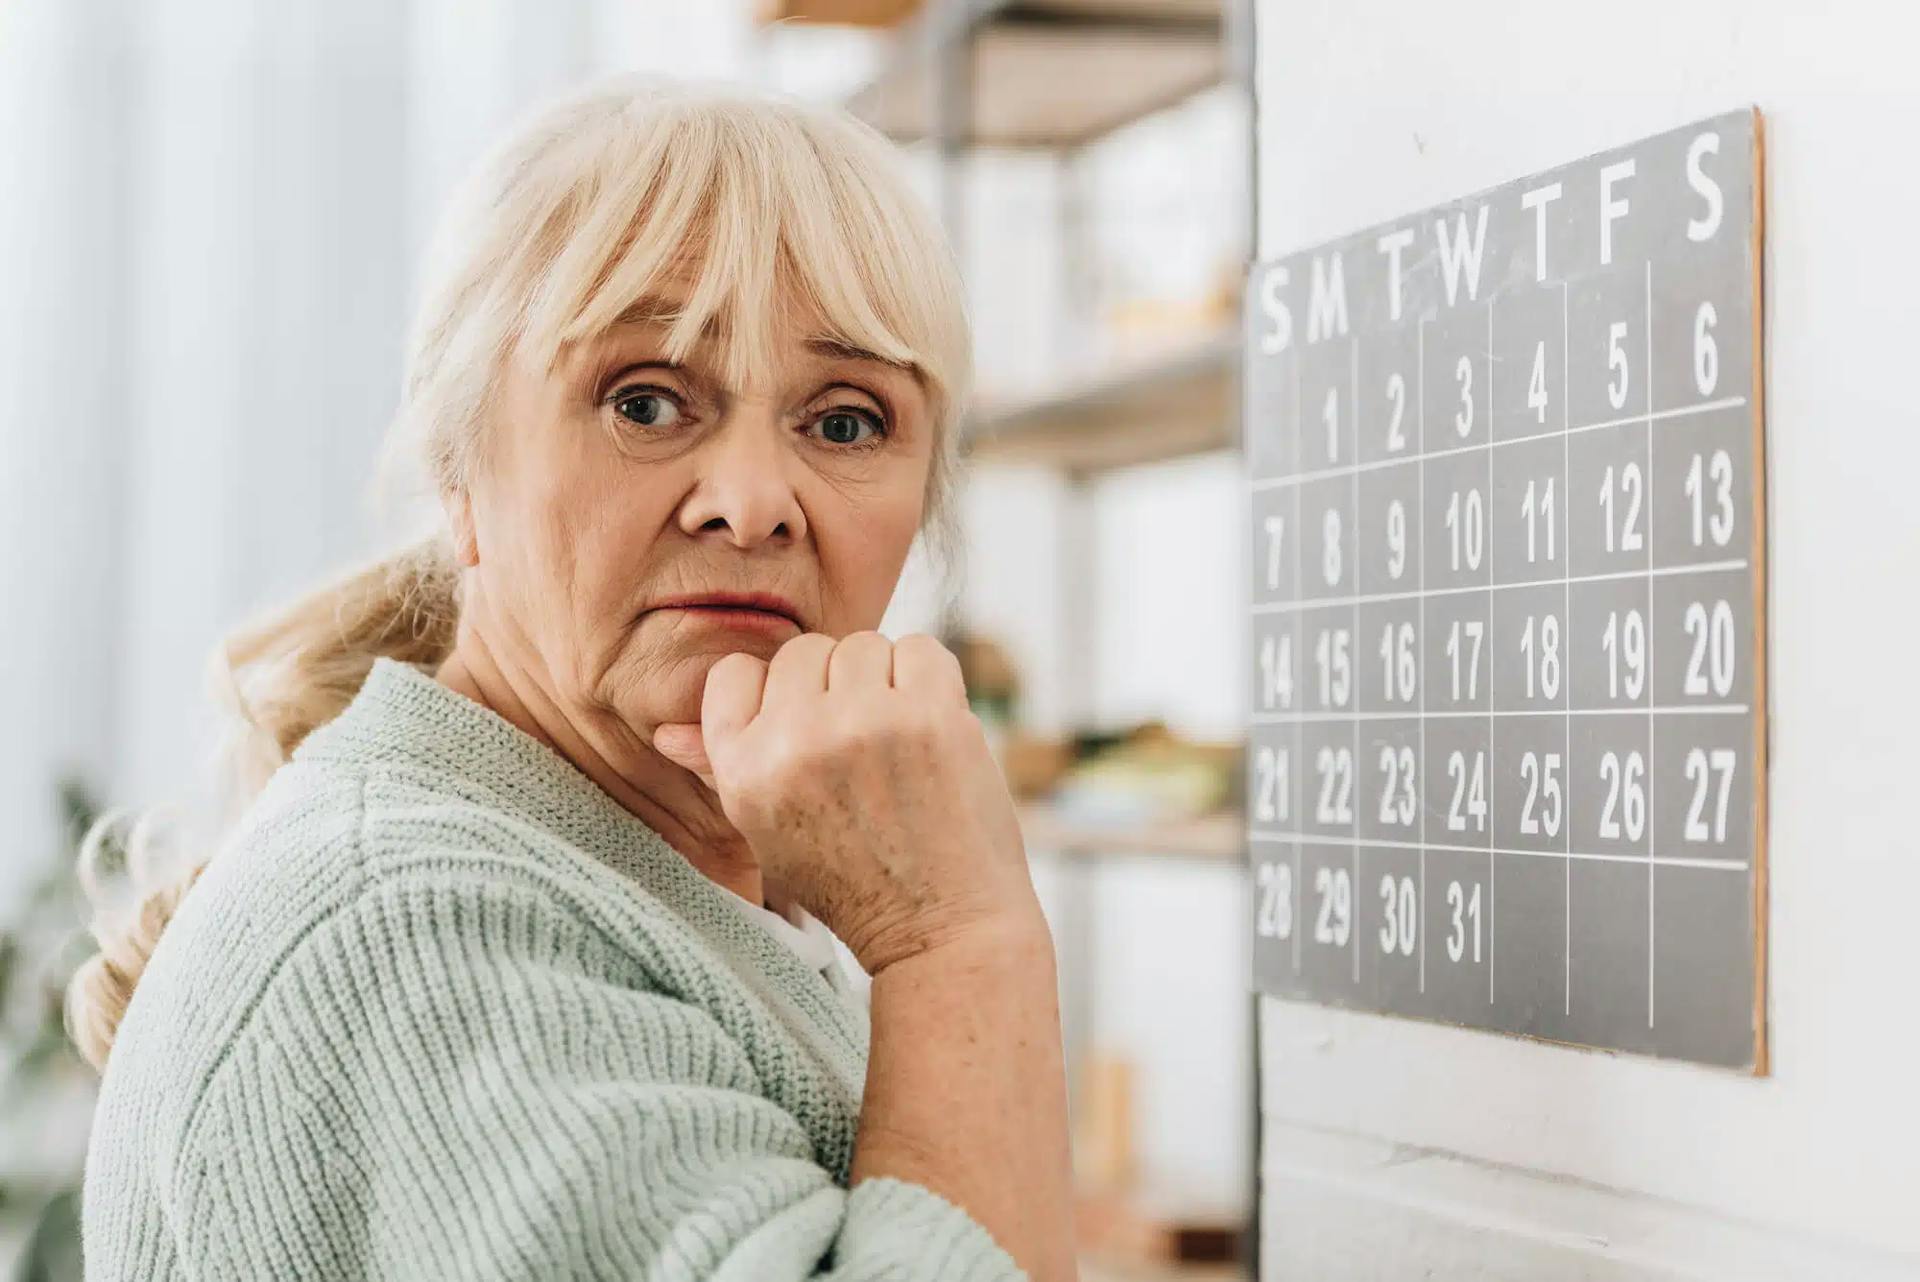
(1274, 307)
(1703, 228)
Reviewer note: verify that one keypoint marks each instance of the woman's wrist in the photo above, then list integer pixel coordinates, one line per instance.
(1014, 941)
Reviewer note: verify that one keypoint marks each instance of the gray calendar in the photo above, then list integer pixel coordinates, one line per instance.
(1506, 753)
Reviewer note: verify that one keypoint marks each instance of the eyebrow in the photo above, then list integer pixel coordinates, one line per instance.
(654, 309)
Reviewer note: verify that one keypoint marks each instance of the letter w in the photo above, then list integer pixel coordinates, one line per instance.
(1460, 253)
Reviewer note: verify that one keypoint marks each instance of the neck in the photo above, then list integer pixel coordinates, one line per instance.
(615, 755)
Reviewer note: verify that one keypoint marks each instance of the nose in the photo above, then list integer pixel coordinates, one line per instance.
(743, 491)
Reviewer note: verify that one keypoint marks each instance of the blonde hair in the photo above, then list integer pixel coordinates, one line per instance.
(573, 216)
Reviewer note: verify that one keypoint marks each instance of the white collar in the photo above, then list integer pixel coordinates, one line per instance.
(808, 938)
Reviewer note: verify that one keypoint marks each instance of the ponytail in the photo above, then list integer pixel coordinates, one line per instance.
(279, 679)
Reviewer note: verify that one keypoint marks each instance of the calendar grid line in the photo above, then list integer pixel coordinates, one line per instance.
(1353, 417)
(1400, 460)
(1566, 596)
(1647, 295)
(1592, 856)
(1493, 775)
(1420, 576)
(1298, 570)
(1299, 868)
(1377, 598)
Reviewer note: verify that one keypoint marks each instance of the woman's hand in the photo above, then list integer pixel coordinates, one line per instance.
(863, 783)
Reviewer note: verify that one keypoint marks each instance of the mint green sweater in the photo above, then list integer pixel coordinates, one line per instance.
(441, 1008)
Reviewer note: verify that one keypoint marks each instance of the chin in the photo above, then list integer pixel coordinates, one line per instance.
(657, 689)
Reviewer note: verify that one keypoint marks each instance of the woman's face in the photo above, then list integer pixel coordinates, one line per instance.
(637, 519)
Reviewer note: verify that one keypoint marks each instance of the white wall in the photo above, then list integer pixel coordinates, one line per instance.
(1398, 1149)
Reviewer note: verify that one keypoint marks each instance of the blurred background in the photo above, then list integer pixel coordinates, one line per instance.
(211, 213)
(209, 236)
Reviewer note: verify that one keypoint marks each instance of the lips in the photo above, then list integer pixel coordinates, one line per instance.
(765, 603)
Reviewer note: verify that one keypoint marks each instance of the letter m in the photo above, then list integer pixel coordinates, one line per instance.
(1327, 301)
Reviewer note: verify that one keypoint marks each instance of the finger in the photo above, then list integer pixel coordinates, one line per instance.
(925, 667)
(734, 695)
(682, 743)
(861, 661)
(798, 671)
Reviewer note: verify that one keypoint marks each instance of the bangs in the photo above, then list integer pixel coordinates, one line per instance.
(766, 218)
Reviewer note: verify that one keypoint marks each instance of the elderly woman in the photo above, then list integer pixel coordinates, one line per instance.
(518, 964)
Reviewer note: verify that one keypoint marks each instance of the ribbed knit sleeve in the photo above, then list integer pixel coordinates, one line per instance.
(458, 1074)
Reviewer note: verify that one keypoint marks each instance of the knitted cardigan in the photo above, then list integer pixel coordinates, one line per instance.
(441, 1008)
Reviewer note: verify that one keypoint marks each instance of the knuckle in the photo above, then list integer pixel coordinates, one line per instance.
(807, 643)
(925, 645)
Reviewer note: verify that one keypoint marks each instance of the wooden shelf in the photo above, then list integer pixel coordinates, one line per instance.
(1057, 73)
(858, 13)
(1182, 403)
(1217, 836)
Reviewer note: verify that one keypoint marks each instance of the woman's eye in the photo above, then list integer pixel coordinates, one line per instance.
(649, 409)
(847, 427)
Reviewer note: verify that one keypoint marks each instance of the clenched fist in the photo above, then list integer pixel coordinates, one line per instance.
(863, 783)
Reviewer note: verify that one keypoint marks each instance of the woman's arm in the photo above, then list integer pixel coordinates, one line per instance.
(865, 786)
(462, 1075)
(965, 1089)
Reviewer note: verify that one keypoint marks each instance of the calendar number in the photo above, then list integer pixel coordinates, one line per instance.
(1617, 377)
(1538, 511)
(1631, 485)
(1537, 383)
(1276, 671)
(1330, 415)
(1625, 809)
(1711, 774)
(1547, 663)
(1467, 528)
(1625, 645)
(1335, 767)
(1397, 662)
(1331, 653)
(1399, 915)
(1706, 356)
(1466, 921)
(1396, 539)
(1330, 547)
(1397, 394)
(1335, 923)
(1717, 522)
(1710, 665)
(1398, 805)
(1469, 792)
(1274, 919)
(1463, 641)
(1276, 528)
(1270, 789)
(1463, 417)
(1541, 774)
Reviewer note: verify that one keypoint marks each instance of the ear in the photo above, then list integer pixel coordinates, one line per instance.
(459, 508)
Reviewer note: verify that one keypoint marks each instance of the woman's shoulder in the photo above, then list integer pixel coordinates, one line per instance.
(321, 961)
(329, 870)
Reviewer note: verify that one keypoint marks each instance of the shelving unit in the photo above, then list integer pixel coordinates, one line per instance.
(1177, 404)
(1058, 75)
(1048, 73)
